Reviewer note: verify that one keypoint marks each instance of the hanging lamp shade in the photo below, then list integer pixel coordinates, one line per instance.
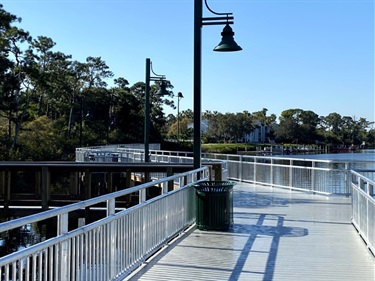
(227, 43)
(163, 89)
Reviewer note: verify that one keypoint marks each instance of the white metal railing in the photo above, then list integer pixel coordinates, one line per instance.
(122, 153)
(319, 176)
(111, 247)
(363, 206)
(306, 175)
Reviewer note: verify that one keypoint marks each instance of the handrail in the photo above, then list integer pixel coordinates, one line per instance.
(112, 246)
(48, 182)
(142, 229)
(5, 226)
(312, 175)
(188, 154)
(363, 205)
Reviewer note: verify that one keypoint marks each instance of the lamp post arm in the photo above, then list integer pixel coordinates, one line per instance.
(216, 13)
(217, 22)
(159, 76)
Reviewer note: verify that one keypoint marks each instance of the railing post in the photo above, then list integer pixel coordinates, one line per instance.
(111, 205)
(347, 184)
(164, 188)
(142, 195)
(194, 177)
(290, 173)
(313, 176)
(367, 215)
(240, 168)
(255, 169)
(370, 189)
(361, 184)
(63, 249)
(272, 171)
(62, 223)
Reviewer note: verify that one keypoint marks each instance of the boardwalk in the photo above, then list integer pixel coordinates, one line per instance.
(277, 235)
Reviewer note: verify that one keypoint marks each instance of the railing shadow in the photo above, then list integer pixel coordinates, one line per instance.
(248, 199)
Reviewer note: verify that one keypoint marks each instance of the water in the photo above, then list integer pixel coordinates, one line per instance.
(20, 238)
(357, 161)
(365, 159)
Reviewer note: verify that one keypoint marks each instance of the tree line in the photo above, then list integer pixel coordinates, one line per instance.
(294, 126)
(51, 104)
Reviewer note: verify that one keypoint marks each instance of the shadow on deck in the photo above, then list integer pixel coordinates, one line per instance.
(277, 235)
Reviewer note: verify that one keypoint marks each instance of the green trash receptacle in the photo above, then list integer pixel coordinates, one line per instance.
(214, 205)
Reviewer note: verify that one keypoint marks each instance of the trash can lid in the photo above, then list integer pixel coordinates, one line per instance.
(214, 186)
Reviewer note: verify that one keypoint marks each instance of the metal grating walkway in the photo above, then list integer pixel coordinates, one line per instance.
(277, 235)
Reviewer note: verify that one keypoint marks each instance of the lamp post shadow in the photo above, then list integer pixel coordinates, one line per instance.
(257, 230)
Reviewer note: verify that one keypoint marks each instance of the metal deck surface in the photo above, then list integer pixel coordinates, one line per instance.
(277, 235)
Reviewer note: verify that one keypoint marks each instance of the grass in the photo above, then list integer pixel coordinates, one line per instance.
(227, 148)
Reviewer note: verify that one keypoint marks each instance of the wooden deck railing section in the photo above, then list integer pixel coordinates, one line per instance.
(52, 184)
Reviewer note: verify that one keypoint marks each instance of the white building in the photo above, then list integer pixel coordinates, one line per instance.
(259, 134)
(204, 125)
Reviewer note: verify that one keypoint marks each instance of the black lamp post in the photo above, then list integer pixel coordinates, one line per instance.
(162, 91)
(179, 97)
(227, 44)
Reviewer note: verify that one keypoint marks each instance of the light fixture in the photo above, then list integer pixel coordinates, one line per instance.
(227, 43)
(162, 89)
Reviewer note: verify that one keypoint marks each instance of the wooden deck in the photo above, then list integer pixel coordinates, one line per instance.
(277, 235)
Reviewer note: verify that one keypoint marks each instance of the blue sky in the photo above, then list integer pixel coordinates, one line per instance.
(310, 54)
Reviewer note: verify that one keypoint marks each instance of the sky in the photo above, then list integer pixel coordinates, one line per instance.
(313, 55)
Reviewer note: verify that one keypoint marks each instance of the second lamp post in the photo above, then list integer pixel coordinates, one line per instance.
(179, 97)
(162, 91)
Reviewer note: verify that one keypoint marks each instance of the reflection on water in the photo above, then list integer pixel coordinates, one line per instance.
(363, 160)
(23, 237)
(364, 155)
